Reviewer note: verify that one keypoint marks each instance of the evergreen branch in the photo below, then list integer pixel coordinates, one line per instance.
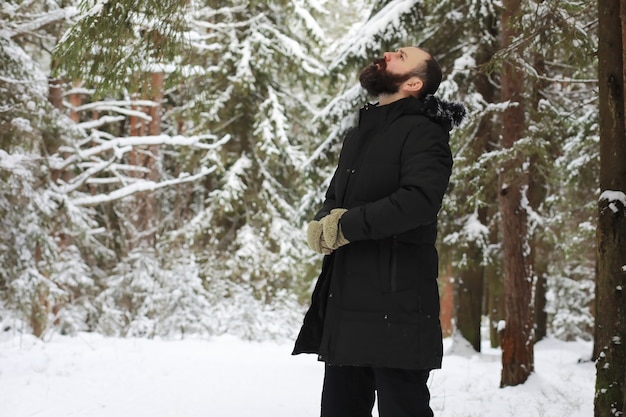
(81, 179)
(122, 145)
(138, 187)
(111, 43)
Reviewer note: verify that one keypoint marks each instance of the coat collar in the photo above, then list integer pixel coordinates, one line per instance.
(446, 113)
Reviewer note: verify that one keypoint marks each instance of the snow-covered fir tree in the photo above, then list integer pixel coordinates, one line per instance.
(42, 268)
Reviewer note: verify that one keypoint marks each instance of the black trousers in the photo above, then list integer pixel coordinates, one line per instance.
(349, 391)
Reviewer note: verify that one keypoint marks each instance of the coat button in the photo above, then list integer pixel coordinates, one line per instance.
(353, 171)
(330, 295)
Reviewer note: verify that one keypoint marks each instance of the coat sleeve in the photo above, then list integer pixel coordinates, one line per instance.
(425, 168)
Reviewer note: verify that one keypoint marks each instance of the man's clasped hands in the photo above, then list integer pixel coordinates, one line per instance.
(325, 235)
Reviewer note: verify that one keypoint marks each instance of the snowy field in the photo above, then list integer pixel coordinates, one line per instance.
(92, 376)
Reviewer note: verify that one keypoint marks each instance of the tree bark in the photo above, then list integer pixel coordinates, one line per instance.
(144, 209)
(446, 312)
(495, 284)
(517, 338)
(75, 100)
(55, 92)
(495, 303)
(469, 296)
(536, 196)
(610, 398)
(470, 285)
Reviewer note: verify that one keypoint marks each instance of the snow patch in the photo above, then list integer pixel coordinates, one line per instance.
(613, 197)
(96, 376)
(501, 325)
(22, 124)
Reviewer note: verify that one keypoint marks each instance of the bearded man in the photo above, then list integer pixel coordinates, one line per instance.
(374, 316)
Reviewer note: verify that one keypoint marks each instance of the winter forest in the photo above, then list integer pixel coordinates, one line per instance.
(160, 160)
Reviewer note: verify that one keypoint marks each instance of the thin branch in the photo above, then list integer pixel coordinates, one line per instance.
(44, 20)
(120, 146)
(137, 187)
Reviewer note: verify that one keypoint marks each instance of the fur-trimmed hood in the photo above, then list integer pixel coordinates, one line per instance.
(444, 112)
(448, 114)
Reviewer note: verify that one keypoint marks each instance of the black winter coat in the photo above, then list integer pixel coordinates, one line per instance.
(376, 302)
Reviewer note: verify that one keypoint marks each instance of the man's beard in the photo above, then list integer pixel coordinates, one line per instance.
(378, 81)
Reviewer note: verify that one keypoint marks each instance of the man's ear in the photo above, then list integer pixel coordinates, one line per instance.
(413, 85)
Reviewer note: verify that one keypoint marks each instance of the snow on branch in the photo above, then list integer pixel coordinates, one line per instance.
(302, 11)
(343, 103)
(120, 146)
(291, 47)
(19, 164)
(614, 197)
(207, 25)
(317, 153)
(139, 186)
(367, 37)
(270, 185)
(38, 21)
(103, 107)
(93, 124)
(14, 80)
(78, 181)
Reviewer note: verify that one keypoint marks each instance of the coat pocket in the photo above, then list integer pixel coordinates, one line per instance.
(394, 339)
(399, 268)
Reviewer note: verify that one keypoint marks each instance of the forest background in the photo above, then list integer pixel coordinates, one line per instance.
(160, 161)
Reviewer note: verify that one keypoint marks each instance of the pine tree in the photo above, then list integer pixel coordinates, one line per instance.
(37, 222)
(262, 58)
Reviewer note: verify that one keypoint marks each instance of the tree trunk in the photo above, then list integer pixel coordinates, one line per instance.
(610, 398)
(495, 285)
(541, 316)
(76, 100)
(536, 196)
(446, 312)
(55, 92)
(469, 296)
(470, 285)
(495, 302)
(144, 210)
(517, 338)
(40, 303)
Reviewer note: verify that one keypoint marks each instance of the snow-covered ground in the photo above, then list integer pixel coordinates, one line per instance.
(93, 376)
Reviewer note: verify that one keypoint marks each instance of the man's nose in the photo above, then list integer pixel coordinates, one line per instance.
(390, 55)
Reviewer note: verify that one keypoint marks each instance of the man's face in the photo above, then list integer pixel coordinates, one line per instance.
(388, 74)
